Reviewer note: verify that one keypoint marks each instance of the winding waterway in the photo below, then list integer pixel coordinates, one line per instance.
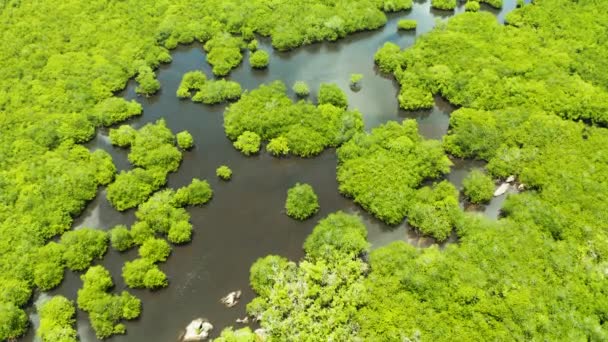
(245, 219)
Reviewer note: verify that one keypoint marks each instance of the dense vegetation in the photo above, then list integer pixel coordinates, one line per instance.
(207, 91)
(301, 202)
(105, 310)
(537, 62)
(259, 59)
(154, 155)
(57, 320)
(407, 24)
(382, 170)
(161, 215)
(444, 4)
(478, 186)
(267, 113)
(537, 273)
(320, 295)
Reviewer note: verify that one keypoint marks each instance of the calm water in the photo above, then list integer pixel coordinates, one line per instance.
(245, 220)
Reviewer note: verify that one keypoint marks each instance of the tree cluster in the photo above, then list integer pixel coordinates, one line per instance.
(306, 130)
(382, 170)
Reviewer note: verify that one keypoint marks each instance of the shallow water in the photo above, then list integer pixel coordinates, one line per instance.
(245, 219)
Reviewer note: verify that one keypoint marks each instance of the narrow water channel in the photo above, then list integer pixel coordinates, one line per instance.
(245, 219)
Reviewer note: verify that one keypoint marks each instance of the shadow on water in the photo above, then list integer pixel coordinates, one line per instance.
(245, 219)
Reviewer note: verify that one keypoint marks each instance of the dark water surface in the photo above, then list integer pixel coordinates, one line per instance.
(245, 219)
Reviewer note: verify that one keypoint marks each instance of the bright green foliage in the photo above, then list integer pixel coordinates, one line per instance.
(472, 6)
(59, 65)
(49, 265)
(147, 84)
(241, 335)
(154, 153)
(388, 58)
(82, 246)
(133, 187)
(248, 143)
(381, 170)
(493, 3)
(160, 211)
(278, 146)
(141, 231)
(143, 273)
(332, 94)
(443, 4)
(224, 172)
(540, 61)
(261, 275)
(14, 291)
(122, 136)
(395, 5)
(224, 53)
(478, 134)
(198, 192)
(320, 295)
(284, 22)
(105, 310)
(121, 238)
(192, 80)
(252, 45)
(407, 24)
(434, 210)
(259, 59)
(113, 110)
(355, 79)
(301, 88)
(57, 320)
(309, 129)
(155, 250)
(217, 91)
(338, 233)
(13, 321)
(180, 232)
(302, 202)
(184, 140)
(478, 186)
(154, 147)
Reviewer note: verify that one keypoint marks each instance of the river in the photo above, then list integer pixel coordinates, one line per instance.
(245, 220)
